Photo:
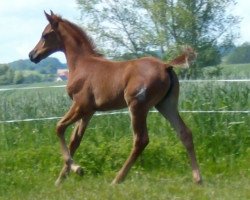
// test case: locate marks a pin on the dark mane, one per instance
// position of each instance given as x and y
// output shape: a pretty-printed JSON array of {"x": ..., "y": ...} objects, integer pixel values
[{"x": 81, "y": 36}]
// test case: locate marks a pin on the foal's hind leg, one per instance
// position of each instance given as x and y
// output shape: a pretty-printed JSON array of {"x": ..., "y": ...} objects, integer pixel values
[
  {"x": 168, "y": 109},
  {"x": 75, "y": 141},
  {"x": 138, "y": 119}
]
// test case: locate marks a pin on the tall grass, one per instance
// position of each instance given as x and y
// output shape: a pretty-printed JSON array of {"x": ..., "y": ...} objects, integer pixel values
[
  {"x": 30, "y": 157},
  {"x": 225, "y": 71},
  {"x": 215, "y": 96},
  {"x": 236, "y": 71},
  {"x": 34, "y": 103},
  {"x": 48, "y": 102}
]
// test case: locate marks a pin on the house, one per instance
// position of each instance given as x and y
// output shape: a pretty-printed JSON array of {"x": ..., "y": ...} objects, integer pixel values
[{"x": 62, "y": 75}]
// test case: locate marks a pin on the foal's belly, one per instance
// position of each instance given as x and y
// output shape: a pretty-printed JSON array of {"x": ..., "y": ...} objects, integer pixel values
[{"x": 110, "y": 103}]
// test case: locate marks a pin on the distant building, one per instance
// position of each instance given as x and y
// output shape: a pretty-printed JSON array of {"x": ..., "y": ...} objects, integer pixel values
[{"x": 62, "y": 75}]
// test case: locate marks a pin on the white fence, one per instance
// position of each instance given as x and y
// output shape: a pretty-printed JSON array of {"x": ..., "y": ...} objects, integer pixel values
[{"x": 181, "y": 81}]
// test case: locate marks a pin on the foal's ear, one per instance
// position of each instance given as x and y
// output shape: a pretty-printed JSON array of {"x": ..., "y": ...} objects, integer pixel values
[
  {"x": 52, "y": 19},
  {"x": 52, "y": 13}
]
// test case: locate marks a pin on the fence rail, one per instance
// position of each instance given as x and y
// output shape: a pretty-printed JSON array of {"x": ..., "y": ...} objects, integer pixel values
[
  {"x": 181, "y": 81},
  {"x": 126, "y": 112},
  {"x": 32, "y": 88}
]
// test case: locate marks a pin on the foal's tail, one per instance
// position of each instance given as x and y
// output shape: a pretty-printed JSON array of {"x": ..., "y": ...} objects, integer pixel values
[{"x": 185, "y": 59}]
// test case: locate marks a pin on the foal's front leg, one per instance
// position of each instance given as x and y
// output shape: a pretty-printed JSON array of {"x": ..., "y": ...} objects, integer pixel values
[
  {"x": 72, "y": 116},
  {"x": 75, "y": 141},
  {"x": 66, "y": 168}
]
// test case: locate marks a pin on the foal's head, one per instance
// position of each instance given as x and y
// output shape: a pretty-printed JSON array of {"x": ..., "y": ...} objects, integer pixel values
[
  {"x": 60, "y": 34},
  {"x": 50, "y": 41}
]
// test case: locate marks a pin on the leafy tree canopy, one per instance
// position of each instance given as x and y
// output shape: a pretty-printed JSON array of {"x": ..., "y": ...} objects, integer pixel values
[
  {"x": 48, "y": 65},
  {"x": 137, "y": 27}
]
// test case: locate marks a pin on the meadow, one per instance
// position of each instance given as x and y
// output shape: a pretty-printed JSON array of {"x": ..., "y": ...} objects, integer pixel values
[{"x": 30, "y": 158}]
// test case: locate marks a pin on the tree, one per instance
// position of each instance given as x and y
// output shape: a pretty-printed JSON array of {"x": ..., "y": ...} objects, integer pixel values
[
  {"x": 6, "y": 75},
  {"x": 18, "y": 78},
  {"x": 32, "y": 78},
  {"x": 143, "y": 26},
  {"x": 241, "y": 54},
  {"x": 117, "y": 25}
]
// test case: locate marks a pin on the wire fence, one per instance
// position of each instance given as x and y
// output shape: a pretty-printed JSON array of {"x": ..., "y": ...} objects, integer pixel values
[
  {"x": 181, "y": 81},
  {"x": 31, "y": 88},
  {"x": 126, "y": 112}
]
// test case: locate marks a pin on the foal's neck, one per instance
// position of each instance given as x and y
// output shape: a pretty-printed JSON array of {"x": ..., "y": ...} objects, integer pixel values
[{"x": 75, "y": 45}]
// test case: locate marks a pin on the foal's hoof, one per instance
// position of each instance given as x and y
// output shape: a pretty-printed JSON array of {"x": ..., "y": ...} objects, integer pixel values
[
  {"x": 197, "y": 177},
  {"x": 58, "y": 182},
  {"x": 113, "y": 183},
  {"x": 80, "y": 171},
  {"x": 77, "y": 169},
  {"x": 198, "y": 181},
  {"x": 116, "y": 182}
]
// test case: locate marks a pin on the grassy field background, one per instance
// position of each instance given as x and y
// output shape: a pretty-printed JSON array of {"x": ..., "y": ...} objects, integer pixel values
[{"x": 30, "y": 157}]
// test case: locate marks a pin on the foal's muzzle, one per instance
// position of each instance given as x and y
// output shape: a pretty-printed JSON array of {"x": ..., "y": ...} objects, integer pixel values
[{"x": 34, "y": 57}]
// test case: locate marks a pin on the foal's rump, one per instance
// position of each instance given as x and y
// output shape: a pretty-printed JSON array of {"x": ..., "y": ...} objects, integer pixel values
[{"x": 149, "y": 80}]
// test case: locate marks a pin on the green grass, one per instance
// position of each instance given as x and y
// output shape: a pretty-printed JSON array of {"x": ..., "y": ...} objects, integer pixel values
[
  {"x": 30, "y": 158},
  {"x": 138, "y": 186},
  {"x": 31, "y": 161},
  {"x": 34, "y": 103}
]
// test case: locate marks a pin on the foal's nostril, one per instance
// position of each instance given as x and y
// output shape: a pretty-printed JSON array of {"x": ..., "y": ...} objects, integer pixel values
[
  {"x": 34, "y": 57},
  {"x": 30, "y": 55}
]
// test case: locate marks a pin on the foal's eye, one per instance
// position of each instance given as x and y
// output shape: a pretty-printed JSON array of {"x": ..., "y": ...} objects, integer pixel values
[{"x": 45, "y": 36}]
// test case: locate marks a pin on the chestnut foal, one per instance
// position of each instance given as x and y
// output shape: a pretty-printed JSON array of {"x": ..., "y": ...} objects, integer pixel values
[{"x": 98, "y": 84}]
